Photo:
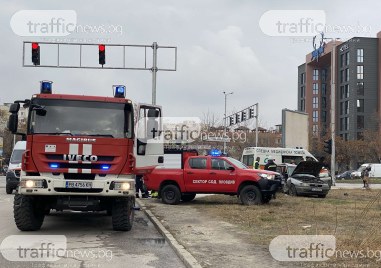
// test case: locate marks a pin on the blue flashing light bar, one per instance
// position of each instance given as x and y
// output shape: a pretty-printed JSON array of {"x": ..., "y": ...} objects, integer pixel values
[
  {"x": 119, "y": 91},
  {"x": 54, "y": 165},
  {"x": 46, "y": 87},
  {"x": 105, "y": 167},
  {"x": 215, "y": 152}
]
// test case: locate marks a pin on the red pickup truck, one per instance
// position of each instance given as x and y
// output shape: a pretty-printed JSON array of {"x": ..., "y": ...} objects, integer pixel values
[{"x": 212, "y": 175}]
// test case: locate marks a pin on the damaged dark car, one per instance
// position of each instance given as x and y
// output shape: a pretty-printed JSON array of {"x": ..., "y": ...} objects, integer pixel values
[{"x": 306, "y": 181}]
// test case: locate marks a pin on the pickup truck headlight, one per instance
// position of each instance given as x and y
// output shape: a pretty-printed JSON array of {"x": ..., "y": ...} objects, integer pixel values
[{"x": 267, "y": 176}]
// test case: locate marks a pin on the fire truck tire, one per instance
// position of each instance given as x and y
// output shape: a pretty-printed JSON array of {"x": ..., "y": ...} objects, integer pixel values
[
  {"x": 122, "y": 214},
  {"x": 28, "y": 213},
  {"x": 187, "y": 197},
  {"x": 170, "y": 194},
  {"x": 8, "y": 189},
  {"x": 250, "y": 195}
]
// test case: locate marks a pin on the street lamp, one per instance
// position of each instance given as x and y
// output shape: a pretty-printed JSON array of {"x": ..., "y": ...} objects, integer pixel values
[{"x": 225, "y": 94}]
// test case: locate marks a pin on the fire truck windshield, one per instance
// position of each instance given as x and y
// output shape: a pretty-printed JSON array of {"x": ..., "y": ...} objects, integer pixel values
[{"x": 80, "y": 118}]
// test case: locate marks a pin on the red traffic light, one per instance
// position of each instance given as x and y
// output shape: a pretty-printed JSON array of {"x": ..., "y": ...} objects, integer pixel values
[
  {"x": 102, "y": 47},
  {"x": 35, "y": 45}
]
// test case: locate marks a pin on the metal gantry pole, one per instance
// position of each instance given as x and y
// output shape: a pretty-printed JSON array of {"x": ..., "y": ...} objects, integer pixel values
[
  {"x": 154, "y": 72},
  {"x": 333, "y": 113},
  {"x": 225, "y": 94},
  {"x": 256, "y": 124}
]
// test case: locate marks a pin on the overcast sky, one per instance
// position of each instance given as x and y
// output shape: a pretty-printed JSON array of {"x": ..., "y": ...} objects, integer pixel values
[{"x": 220, "y": 48}]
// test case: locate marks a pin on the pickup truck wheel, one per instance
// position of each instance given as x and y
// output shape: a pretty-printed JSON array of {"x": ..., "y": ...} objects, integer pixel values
[
  {"x": 250, "y": 195},
  {"x": 122, "y": 214},
  {"x": 28, "y": 212},
  {"x": 187, "y": 197},
  {"x": 170, "y": 194}
]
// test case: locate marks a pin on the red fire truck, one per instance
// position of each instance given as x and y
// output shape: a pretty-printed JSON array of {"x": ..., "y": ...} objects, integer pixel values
[{"x": 81, "y": 155}]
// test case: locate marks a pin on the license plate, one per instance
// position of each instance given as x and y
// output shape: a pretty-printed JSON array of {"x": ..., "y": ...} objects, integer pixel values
[
  {"x": 79, "y": 184},
  {"x": 317, "y": 189}
]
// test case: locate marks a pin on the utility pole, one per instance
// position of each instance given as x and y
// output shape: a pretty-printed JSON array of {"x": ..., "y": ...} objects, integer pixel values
[
  {"x": 256, "y": 124},
  {"x": 154, "y": 71},
  {"x": 333, "y": 112},
  {"x": 226, "y": 94}
]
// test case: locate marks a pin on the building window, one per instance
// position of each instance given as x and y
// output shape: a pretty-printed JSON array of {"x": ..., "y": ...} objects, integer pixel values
[
  {"x": 360, "y": 105},
  {"x": 342, "y": 60},
  {"x": 323, "y": 102},
  {"x": 315, "y": 130},
  {"x": 302, "y": 105},
  {"x": 347, "y": 58},
  {"x": 342, "y": 76},
  {"x": 324, "y": 75},
  {"x": 344, "y": 123},
  {"x": 324, "y": 89},
  {"x": 344, "y": 92},
  {"x": 302, "y": 92},
  {"x": 360, "y": 72},
  {"x": 360, "y": 55},
  {"x": 315, "y": 88},
  {"x": 344, "y": 107},
  {"x": 315, "y": 102},
  {"x": 315, "y": 116},
  {"x": 360, "y": 88},
  {"x": 302, "y": 78},
  {"x": 347, "y": 74},
  {"x": 324, "y": 116},
  {"x": 360, "y": 122},
  {"x": 315, "y": 75}
]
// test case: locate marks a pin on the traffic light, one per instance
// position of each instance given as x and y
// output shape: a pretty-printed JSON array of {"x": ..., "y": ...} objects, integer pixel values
[
  {"x": 328, "y": 146},
  {"x": 243, "y": 116},
  {"x": 237, "y": 119},
  {"x": 231, "y": 120},
  {"x": 35, "y": 53},
  {"x": 102, "y": 54},
  {"x": 251, "y": 113}
]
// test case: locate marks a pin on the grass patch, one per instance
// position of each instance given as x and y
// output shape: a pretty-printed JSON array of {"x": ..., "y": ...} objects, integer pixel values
[{"x": 353, "y": 216}]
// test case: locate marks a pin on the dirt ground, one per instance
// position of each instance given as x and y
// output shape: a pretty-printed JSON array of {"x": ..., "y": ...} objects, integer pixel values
[{"x": 219, "y": 231}]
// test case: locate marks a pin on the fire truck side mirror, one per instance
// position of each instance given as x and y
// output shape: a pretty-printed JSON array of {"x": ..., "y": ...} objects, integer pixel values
[
  {"x": 14, "y": 108},
  {"x": 13, "y": 123}
]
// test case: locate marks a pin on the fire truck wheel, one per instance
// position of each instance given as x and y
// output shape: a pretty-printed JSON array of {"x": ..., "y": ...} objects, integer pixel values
[
  {"x": 187, "y": 197},
  {"x": 122, "y": 214},
  {"x": 250, "y": 195},
  {"x": 28, "y": 212},
  {"x": 170, "y": 194},
  {"x": 8, "y": 189}
]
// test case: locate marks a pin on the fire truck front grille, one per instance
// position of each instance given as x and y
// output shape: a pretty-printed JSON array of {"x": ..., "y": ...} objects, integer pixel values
[
  {"x": 61, "y": 157},
  {"x": 79, "y": 176}
]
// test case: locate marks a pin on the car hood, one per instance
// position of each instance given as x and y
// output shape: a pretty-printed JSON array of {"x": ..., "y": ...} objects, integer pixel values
[
  {"x": 308, "y": 167},
  {"x": 307, "y": 178},
  {"x": 257, "y": 171}
]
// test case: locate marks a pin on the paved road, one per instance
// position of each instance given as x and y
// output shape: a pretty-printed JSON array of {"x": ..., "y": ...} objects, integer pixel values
[{"x": 143, "y": 246}]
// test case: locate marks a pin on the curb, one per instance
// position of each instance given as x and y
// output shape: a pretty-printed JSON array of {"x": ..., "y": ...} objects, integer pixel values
[{"x": 184, "y": 255}]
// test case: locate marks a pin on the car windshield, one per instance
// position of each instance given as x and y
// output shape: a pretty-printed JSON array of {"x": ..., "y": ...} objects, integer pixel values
[
  {"x": 237, "y": 163},
  {"x": 290, "y": 169},
  {"x": 81, "y": 118},
  {"x": 16, "y": 156}
]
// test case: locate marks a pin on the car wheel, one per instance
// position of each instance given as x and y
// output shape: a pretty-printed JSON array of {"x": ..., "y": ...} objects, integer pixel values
[
  {"x": 250, "y": 195},
  {"x": 170, "y": 194},
  {"x": 292, "y": 191}
]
